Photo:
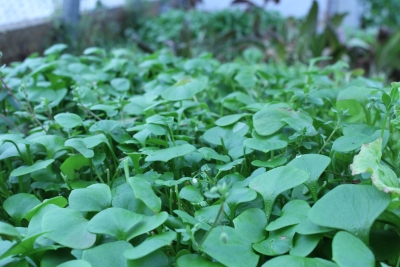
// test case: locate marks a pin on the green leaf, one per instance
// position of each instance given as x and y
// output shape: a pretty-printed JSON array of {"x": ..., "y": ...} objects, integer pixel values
[
  {"x": 120, "y": 84},
  {"x": 157, "y": 259},
  {"x": 303, "y": 245},
  {"x": 313, "y": 164},
  {"x": 272, "y": 163},
  {"x": 68, "y": 227},
  {"x": 276, "y": 181},
  {"x": 52, "y": 143},
  {"x": 294, "y": 212},
  {"x": 236, "y": 196},
  {"x": 105, "y": 126},
  {"x": 269, "y": 121},
  {"x": 18, "y": 205},
  {"x": 23, "y": 246},
  {"x": 55, "y": 49},
  {"x": 209, "y": 153},
  {"x": 251, "y": 224},
  {"x": 233, "y": 251},
  {"x": 246, "y": 77},
  {"x": 145, "y": 193},
  {"x": 80, "y": 146},
  {"x": 58, "y": 201},
  {"x": 191, "y": 194},
  {"x": 278, "y": 242},
  {"x": 307, "y": 227},
  {"x": 264, "y": 146},
  {"x": 194, "y": 260},
  {"x": 115, "y": 222},
  {"x": 96, "y": 197},
  {"x": 386, "y": 99},
  {"x": 169, "y": 153},
  {"x": 229, "y": 119},
  {"x": 147, "y": 224},
  {"x": 73, "y": 164},
  {"x": 349, "y": 143},
  {"x": 368, "y": 160},
  {"x": 341, "y": 209},
  {"x": 185, "y": 88},
  {"x": 349, "y": 251},
  {"x": 150, "y": 245},
  {"x": 227, "y": 134},
  {"x": 75, "y": 263},
  {"x": 295, "y": 261},
  {"x": 108, "y": 254},
  {"x": 8, "y": 231},
  {"x": 68, "y": 120},
  {"x": 35, "y": 167}
]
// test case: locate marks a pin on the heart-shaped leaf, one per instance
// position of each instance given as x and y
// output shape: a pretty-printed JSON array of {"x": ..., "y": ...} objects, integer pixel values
[
  {"x": 251, "y": 224},
  {"x": 115, "y": 222},
  {"x": 96, "y": 197},
  {"x": 147, "y": 224},
  {"x": 341, "y": 208},
  {"x": 276, "y": 181},
  {"x": 150, "y": 245},
  {"x": 108, "y": 254},
  {"x": 68, "y": 227},
  {"x": 313, "y": 164},
  {"x": 145, "y": 193},
  {"x": 8, "y": 231},
  {"x": 185, "y": 88},
  {"x": 229, "y": 247},
  {"x": 303, "y": 245},
  {"x": 295, "y": 261},
  {"x": 169, "y": 153},
  {"x": 191, "y": 194},
  {"x": 68, "y": 120},
  {"x": 195, "y": 260},
  {"x": 349, "y": 251},
  {"x": 268, "y": 121},
  {"x": 35, "y": 167},
  {"x": 264, "y": 146},
  {"x": 294, "y": 212},
  {"x": 80, "y": 146},
  {"x": 278, "y": 242},
  {"x": 52, "y": 143},
  {"x": 18, "y": 205},
  {"x": 75, "y": 263},
  {"x": 120, "y": 84},
  {"x": 157, "y": 258}
]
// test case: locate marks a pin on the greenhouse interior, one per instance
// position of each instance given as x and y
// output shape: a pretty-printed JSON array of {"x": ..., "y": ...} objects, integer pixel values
[{"x": 199, "y": 133}]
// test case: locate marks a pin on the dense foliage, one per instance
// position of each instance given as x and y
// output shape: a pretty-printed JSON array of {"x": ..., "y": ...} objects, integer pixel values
[{"x": 115, "y": 159}]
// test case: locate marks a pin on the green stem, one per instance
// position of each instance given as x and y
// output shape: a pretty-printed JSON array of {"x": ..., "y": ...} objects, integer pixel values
[
  {"x": 384, "y": 123},
  {"x": 221, "y": 209}
]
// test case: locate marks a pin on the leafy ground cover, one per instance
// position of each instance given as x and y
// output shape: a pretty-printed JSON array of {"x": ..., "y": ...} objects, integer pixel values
[{"x": 118, "y": 159}]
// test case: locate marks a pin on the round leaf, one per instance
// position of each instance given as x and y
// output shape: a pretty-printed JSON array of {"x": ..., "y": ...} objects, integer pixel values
[
  {"x": 350, "y": 207},
  {"x": 115, "y": 222},
  {"x": 233, "y": 251},
  {"x": 96, "y": 197},
  {"x": 194, "y": 260},
  {"x": 108, "y": 254},
  {"x": 150, "y": 245},
  {"x": 185, "y": 89},
  {"x": 68, "y": 120},
  {"x": 120, "y": 84},
  {"x": 68, "y": 227},
  {"x": 18, "y": 205},
  {"x": 349, "y": 251},
  {"x": 276, "y": 181}
]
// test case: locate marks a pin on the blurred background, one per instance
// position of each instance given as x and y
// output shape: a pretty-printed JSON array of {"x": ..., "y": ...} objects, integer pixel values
[{"x": 363, "y": 33}]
